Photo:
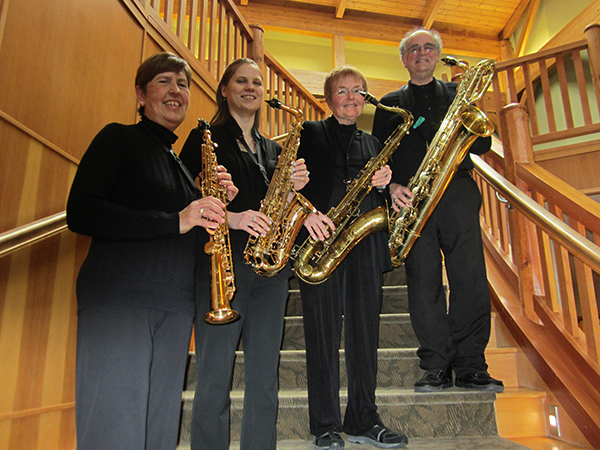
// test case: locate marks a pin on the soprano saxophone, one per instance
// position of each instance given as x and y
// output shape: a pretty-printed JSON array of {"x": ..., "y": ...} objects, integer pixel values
[
  {"x": 315, "y": 261},
  {"x": 218, "y": 247},
  {"x": 286, "y": 208},
  {"x": 463, "y": 123}
]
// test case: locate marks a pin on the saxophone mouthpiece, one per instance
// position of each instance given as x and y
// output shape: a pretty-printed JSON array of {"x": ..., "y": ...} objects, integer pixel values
[
  {"x": 449, "y": 61},
  {"x": 274, "y": 103},
  {"x": 453, "y": 62},
  {"x": 369, "y": 98},
  {"x": 203, "y": 124}
]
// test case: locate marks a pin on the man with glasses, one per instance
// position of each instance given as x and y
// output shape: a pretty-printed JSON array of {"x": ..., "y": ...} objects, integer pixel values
[{"x": 453, "y": 335}]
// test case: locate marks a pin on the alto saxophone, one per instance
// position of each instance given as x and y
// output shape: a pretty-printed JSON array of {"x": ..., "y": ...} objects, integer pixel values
[
  {"x": 315, "y": 261},
  {"x": 268, "y": 254},
  {"x": 463, "y": 123},
  {"x": 218, "y": 247}
]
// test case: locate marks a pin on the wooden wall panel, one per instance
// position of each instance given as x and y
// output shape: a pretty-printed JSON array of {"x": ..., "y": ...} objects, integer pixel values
[
  {"x": 59, "y": 58},
  {"x": 68, "y": 69},
  {"x": 579, "y": 170}
]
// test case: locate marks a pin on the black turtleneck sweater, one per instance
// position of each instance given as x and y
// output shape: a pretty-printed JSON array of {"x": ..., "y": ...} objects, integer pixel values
[{"x": 127, "y": 195}]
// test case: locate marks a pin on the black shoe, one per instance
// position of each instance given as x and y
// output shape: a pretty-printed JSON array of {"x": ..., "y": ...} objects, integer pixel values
[
  {"x": 435, "y": 380},
  {"x": 330, "y": 440},
  {"x": 380, "y": 437},
  {"x": 480, "y": 381}
]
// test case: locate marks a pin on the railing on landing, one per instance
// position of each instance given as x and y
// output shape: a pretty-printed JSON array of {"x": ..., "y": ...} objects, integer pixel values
[
  {"x": 553, "y": 86},
  {"x": 216, "y": 34}
]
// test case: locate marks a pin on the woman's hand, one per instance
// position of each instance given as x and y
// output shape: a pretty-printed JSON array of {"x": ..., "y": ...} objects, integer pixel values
[
  {"x": 382, "y": 177},
  {"x": 252, "y": 222},
  {"x": 401, "y": 196},
  {"x": 319, "y": 226},
  {"x": 206, "y": 212},
  {"x": 300, "y": 174},
  {"x": 224, "y": 178}
]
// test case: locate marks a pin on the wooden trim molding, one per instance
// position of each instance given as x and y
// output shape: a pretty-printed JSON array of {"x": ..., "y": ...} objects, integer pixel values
[
  {"x": 28, "y": 131},
  {"x": 36, "y": 411}
]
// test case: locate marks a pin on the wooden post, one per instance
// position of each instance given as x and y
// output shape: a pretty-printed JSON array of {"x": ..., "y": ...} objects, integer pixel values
[
  {"x": 517, "y": 148},
  {"x": 256, "y": 52},
  {"x": 256, "y": 48},
  {"x": 506, "y": 52},
  {"x": 592, "y": 34},
  {"x": 339, "y": 50}
]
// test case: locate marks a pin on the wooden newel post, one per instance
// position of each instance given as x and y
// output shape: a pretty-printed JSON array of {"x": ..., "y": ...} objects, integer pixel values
[
  {"x": 256, "y": 52},
  {"x": 592, "y": 35},
  {"x": 256, "y": 49},
  {"x": 516, "y": 140}
]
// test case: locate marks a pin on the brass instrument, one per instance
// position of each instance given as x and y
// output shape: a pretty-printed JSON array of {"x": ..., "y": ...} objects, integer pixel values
[
  {"x": 268, "y": 254},
  {"x": 463, "y": 123},
  {"x": 218, "y": 247},
  {"x": 315, "y": 261}
]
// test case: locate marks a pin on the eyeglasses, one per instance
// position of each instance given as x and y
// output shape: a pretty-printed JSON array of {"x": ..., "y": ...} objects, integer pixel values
[
  {"x": 343, "y": 92},
  {"x": 415, "y": 49}
]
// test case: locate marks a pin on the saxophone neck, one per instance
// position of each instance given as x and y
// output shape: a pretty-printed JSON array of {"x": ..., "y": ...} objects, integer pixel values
[
  {"x": 276, "y": 104},
  {"x": 406, "y": 115}
]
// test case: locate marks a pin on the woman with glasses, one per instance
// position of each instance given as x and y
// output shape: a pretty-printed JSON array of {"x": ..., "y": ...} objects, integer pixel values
[{"x": 335, "y": 151}]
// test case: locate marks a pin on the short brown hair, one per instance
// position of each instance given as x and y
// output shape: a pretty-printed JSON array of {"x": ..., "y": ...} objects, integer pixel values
[
  {"x": 160, "y": 63},
  {"x": 341, "y": 72}
]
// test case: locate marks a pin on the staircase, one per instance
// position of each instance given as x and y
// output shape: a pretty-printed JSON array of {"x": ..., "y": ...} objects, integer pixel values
[{"x": 451, "y": 419}]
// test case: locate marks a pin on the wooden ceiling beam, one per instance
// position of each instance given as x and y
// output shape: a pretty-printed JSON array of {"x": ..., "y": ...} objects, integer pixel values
[
  {"x": 371, "y": 30},
  {"x": 340, "y": 9},
  {"x": 515, "y": 20},
  {"x": 531, "y": 12},
  {"x": 431, "y": 13}
]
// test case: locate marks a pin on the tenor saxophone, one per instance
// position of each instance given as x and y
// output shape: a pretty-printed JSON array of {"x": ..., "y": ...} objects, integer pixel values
[
  {"x": 463, "y": 123},
  {"x": 315, "y": 261},
  {"x": 222, "y": 284},
  {"x": 286, "y": 208}
]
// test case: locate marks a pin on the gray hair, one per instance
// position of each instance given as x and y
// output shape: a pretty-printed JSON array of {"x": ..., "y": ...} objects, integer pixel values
[{"x": 434, "y": 34}]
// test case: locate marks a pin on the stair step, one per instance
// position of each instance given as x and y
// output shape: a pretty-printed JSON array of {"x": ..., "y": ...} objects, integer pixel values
[
  {"x": 395, "y": 300},
  {"x": 397, "y": 367},
  {"x": 541, "y": 443},
  {"x": 525, "y": 403},
  {"x": 444, "y": 414},
  {"x": 458, "y": 443},
  {"x": 395, "y": 331}
]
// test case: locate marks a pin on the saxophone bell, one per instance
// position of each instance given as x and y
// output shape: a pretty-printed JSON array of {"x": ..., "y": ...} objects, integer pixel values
[
  {"x": 316, "y": 260},
  {"x": 286, "y": 208}
]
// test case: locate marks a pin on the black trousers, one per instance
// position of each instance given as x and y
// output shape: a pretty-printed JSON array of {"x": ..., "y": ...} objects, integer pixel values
[
  {"x": 353, "y": 292},
  {"x": 458, "y": 335},
  {"x": 130, "y": 370},
  {"x": 261, "y": 304}
]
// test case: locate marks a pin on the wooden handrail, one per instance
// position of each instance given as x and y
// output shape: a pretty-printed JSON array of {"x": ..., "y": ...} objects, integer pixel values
[
  {"x": 580, "y": 247},
  {"x": 31, "y": 233}
]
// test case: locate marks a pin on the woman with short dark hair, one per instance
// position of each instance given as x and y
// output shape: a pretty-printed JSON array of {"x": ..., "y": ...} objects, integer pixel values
[{"x": 135, "y": 290}]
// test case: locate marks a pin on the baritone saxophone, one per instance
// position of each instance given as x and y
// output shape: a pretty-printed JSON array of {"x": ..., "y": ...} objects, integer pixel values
[
  {"x": 315, "y": 261},
  {"x": 463, "y": 123},
  {"x": 222, "y": 284},
  {"x": 286, "y": 208}
]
